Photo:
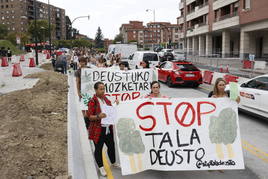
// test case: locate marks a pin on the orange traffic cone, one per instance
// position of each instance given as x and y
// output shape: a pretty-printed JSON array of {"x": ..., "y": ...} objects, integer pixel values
[
  {"x": 4, "y": 62},
  {"x": 16, "y": 70},
  {"x": 22, "y": 58},
  {"x": 32, "y": 63}
]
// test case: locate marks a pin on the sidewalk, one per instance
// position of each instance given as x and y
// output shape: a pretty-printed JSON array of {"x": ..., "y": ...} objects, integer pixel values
[
  {"x": 234, "y": 65},
  {"x": 9, "y": 83}
]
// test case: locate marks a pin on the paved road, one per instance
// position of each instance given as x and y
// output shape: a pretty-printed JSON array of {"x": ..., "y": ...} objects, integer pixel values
[{"x": 255, "y": 147}]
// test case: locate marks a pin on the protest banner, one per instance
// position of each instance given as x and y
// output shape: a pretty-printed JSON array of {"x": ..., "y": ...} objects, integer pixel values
[
  {"x": 121, "y": 85},
  {"x": 178, "y": 134}
]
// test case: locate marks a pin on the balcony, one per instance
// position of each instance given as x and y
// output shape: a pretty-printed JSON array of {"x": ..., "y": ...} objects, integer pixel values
[
  {"x": 199, "y": 11},
  {"x": 189, "y": 2},
  {"x": 181, "y": 5},
  {"x": 226, "y": 21},
  {"x": 181, "y": 20},
  {"x": 221, "y": 3},
  {"x": 197, "y": 30}
]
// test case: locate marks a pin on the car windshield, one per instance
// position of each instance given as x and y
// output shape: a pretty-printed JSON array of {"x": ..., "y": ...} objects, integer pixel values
[
  {"x": 187, "y": 67},
  {"x": 150, "y": 57},
  {"x": 169, "y": 50}
]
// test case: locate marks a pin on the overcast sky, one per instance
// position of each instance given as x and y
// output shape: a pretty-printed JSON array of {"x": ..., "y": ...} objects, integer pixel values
[{"x": 110, "y": 14}]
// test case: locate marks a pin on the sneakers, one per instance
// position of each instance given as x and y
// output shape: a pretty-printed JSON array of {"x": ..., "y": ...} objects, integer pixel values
[
  {"x": 115, "y": 165},
  {"x": 102, "y": 172}
]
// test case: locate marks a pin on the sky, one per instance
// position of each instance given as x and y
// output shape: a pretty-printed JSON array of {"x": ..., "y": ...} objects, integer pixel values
[{"x": 110, "y": 14}]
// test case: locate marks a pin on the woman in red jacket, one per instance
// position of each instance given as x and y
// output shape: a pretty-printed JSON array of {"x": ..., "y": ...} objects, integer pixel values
[{"x": 98, "y": 132}]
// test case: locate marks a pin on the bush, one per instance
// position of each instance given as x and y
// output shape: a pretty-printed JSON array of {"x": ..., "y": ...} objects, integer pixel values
[{"x": 13, "y": 48}]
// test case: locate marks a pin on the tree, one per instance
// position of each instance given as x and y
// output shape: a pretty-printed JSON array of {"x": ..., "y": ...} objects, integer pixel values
[
  {"x": 3, "y": 31},
  {"x": 99, "y": 43},
  {"x": 12, "y": 38},
  {"x": 118, "y": 38},
  {"x": 42, "y": 30}
]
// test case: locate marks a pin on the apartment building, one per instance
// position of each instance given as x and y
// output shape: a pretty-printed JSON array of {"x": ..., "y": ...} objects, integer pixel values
[
  {"x": 228, "y": 28},
  {"x": 17, "y": 14},
  {"x": 154, "y": 33}
]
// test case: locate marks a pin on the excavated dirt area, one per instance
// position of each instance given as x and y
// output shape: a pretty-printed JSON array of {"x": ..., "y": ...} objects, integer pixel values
[{"x": 33, "y": 129}]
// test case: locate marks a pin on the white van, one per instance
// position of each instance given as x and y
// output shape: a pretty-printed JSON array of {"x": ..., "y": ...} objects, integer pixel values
[
  {"x": 137, "y": 57},
  {"x": 125, "y": 50}
]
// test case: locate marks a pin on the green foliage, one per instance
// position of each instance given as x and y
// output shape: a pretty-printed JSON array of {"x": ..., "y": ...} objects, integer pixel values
[
  {"x": 99, "y": 43},
  {"x": 81, "y": 43},
  {"x": 3, "y": 31},
  {"x": 73, "y": 43},
  {"x": 101, "y": 50},
  {"x": 11, "y": 37},
  {"x": 146, "y": 48},
  {"x": 13, "y": 48},
  {"x": 42, "y": 30},
  {"x": 118, "y": 38},
  {"x": 131, "y": 41}
]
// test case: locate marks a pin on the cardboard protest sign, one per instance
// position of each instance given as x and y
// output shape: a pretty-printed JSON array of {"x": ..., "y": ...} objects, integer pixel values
[
  {"x": 178, "y": 134},
  {"x": 234, "y": 93},
  {"x": 121, "y": 85}
]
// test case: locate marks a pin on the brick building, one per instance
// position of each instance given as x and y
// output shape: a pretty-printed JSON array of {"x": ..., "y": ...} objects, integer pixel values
[
  {"x": 17, "y": 14},
  {"x": 229, "y": 28},
  {"x": 154, "y": 33}
]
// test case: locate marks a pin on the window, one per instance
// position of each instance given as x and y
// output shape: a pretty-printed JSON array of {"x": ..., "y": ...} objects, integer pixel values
[
  {"x": 187, "y": 67},
  {"x": 260, "y": 83},
  {"x": 246, "y": 4},
  {"x": 150, "y": 56}
]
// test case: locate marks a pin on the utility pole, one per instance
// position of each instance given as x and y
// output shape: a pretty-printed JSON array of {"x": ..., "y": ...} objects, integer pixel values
[{"x": 185, "y": 28}]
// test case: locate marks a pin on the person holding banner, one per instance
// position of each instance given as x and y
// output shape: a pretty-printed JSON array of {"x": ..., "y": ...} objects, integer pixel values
[
  {"x": 155, "y": 91},
  {"x": 219, "y": 90},
  {"x": 98, "y": 132},
  {"x": 124, "y": 66}
]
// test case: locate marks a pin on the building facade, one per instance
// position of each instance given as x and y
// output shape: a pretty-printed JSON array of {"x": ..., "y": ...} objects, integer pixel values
[
  {"x": 17, "y": 14},
  {"x": 226, "y": 28},
  {"x": 153, "y": 34}
]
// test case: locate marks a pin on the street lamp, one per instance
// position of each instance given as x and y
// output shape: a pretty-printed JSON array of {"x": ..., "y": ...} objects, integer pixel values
[
  {"x": 78, "y": 18},
  {"x": 147, "y": 10},
  {"x": 35, "y": 34},
  {"x": 49, "y": 28}
]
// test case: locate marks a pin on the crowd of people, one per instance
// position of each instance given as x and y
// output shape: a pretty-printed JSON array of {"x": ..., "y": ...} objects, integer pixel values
[{"x": 103, "y": 134}]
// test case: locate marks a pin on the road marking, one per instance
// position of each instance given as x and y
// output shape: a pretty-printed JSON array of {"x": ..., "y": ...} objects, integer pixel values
[
  {"x": 107, "y": 166},
  {"x": 249, "y": 147},
  {"x": 255, "y": 153}
]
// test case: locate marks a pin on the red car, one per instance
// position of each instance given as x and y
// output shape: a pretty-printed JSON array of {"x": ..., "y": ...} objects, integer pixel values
[{"x": 179, "y": 72}]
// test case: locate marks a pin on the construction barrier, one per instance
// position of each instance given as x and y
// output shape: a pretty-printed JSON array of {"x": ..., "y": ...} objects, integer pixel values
[
  {"x": 4, "y": 62},
  {"x": 32, "y": 63},
  {"x": 230, "y": 78},
  {"x": 16, "y": 70},
  {"x": 207, "y": 78},
  {"x": 22, "y": 58},
  {"x": 247, "y": 64}
]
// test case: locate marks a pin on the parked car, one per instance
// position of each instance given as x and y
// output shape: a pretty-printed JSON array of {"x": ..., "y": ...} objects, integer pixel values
[
  {"x": 158, "y": 49},
  {"x": 254, "y": 95},
  {"x": 137, "y": 57},
  {"x": 166, "y": 54},
  {"x": 179, "y": 72}
]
